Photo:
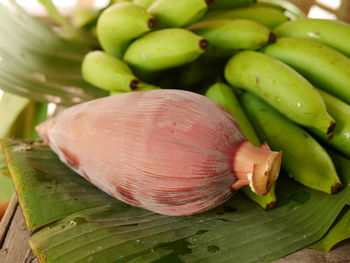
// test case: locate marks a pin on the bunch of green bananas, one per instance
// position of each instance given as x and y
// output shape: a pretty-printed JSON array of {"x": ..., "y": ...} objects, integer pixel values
[{"x": 282, "y": 76}]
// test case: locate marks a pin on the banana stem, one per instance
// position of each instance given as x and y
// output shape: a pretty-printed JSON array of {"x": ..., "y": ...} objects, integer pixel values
[{"x": 256, "y": 167}]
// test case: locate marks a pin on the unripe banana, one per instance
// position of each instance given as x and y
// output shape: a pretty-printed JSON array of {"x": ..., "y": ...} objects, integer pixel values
[
  {"x": 144, "y": 3},
  {"x": 280, "y": 86},
  {"x": 340, "y": 111},
  {"x": 230, "y": 4},
  {"x": 303, "y": 157},
  {"x": 268, "y": 201},
  {"x": 179, "y": 13},
  {"x": 335, "y": 34},
  {"x": 164, "y": 49},
  {"x": 269, "y": 5},
  {"x": 119, "y": 24},
  {"x": 323, "y": 66},
  {"x": 203, "y": 70},
  {"x": 224, "y": 95},
  {"x": 232, "y": 35},
  {"x": 108, "y": 72},
  {"x": 267, "y": 16}
]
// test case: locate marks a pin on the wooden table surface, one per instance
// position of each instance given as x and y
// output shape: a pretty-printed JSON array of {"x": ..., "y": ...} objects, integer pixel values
[{"x": 14, "y": 246}]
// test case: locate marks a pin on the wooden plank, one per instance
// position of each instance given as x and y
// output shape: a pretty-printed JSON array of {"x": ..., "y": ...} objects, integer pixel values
[
  {"x": 14, "y": 237},
  {"x": 339, "y": 254},
  {"x": 304, "y": 5},
  {"x": 343, "y": 12},
  {"x": 6, "y": 220}
]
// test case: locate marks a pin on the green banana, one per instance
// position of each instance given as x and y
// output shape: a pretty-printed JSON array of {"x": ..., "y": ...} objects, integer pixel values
[
  {"x": 164, "y": 49},
  {"x": 280, "y": 86},
  {"x": 269, "y": 5},
  {"x": 303, "y": 157},
  {"x": 267, "y": 16},
  {"x": 224, "y": 95},
  {"x": 268, "y": 201},
  {"x": 194, "y": 75},
  {"x": 232, "y": 35},
  {"x": 340, "y": 111},
  {"x": 112, "y": 2},
  {"x": 230, "y": 4},
  {"x": 108, "y": 72},
  {"x": 323, "y": 66},
  {"x": 119, "y": 24},
  {"x": 335, "y": 34},
  {"x": 179, "y": 13},
  {"x": 144, "y": 3}
]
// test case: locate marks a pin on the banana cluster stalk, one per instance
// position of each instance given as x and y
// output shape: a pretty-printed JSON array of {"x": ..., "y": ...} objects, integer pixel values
[{"x": 291, "y": 73}]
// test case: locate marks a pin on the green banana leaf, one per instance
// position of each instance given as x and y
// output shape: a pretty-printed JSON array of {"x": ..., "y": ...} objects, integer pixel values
[
  {"x": 68, "y": 31},
  {"x": 76, "y": 222},
  {"x": 341, "y": 227},
  {"x": 37, "y": 64},
  {"x": 10, "y": 108},
  {"x": 6, "y": 188},
  {"x": 339, "y": 232}
]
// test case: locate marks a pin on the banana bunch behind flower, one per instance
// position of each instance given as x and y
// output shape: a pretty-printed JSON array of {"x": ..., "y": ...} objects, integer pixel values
[{"x": 294, "y": 72}]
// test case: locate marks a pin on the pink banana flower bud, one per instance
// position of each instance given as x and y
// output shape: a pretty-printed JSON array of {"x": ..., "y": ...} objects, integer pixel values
[{"x": 172, "y": 152}]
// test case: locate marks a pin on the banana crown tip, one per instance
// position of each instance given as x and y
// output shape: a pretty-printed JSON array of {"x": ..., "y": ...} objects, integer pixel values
[
  {"x": 336, "y": 188},
  {"x": 271, "y": 205},
  {"x": 331, "y": 127},
  {"x": 203, "y": 44},
  {"x": 151, "y": 23},
  {"x": 134, "y": 84},
  {"x": 272, "y": 38},
  {"x": 209, "y": 2}
]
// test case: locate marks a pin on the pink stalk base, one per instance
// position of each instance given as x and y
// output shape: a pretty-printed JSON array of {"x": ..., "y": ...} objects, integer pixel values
[{"x": 256, "y": 167}]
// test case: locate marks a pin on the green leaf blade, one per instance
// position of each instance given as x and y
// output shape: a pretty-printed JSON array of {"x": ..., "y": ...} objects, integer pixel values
[{"x": 37, "y": 64}]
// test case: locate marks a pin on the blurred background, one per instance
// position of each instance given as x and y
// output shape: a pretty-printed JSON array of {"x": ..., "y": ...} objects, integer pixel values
[{"x": 329, "y": 9}]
